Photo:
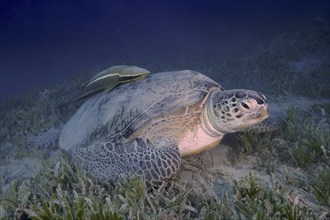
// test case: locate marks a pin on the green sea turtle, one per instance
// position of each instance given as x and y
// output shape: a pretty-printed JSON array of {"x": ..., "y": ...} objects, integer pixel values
[{"x": 145, "y": 127}]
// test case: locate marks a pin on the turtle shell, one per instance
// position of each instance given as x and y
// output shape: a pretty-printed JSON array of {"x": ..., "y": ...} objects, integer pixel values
[{"x": 119, "y": 113}]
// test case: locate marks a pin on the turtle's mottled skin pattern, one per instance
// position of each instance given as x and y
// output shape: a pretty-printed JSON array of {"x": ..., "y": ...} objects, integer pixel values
[
  {"x": 144, "y": 128},
  {"x": 135, "y": 158}
]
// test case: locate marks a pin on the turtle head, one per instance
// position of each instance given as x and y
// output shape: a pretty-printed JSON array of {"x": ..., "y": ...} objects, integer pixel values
[{"x": 234, "y": 110}]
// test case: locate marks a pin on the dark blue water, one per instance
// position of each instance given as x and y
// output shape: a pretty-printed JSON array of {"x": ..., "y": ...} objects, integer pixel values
[{"x": 45, "y": 42}]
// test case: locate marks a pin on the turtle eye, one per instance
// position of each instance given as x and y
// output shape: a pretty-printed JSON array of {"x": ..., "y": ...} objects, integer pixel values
[{"x": 247, "y": 105}]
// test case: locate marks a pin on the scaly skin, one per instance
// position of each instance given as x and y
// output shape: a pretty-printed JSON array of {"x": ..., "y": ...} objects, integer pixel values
[{"x": 137, "y": 158}]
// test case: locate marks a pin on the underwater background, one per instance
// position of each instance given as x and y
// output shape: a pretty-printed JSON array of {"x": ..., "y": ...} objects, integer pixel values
[
  {"x": 45, "y": 42},
  {"x": 48, "y": 49}
]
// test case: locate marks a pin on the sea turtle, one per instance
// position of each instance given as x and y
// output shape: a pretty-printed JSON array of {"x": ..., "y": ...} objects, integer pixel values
[{"x": 145, "y": 127}]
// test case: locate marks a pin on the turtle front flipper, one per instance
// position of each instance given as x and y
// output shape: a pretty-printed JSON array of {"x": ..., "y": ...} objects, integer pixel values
[
  {"x": 109, "y": 78},
  {"x": 137, "y": 158}
]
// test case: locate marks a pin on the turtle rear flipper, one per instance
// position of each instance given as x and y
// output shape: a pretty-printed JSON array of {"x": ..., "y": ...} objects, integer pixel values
[{"x": 137, "y": 158}]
